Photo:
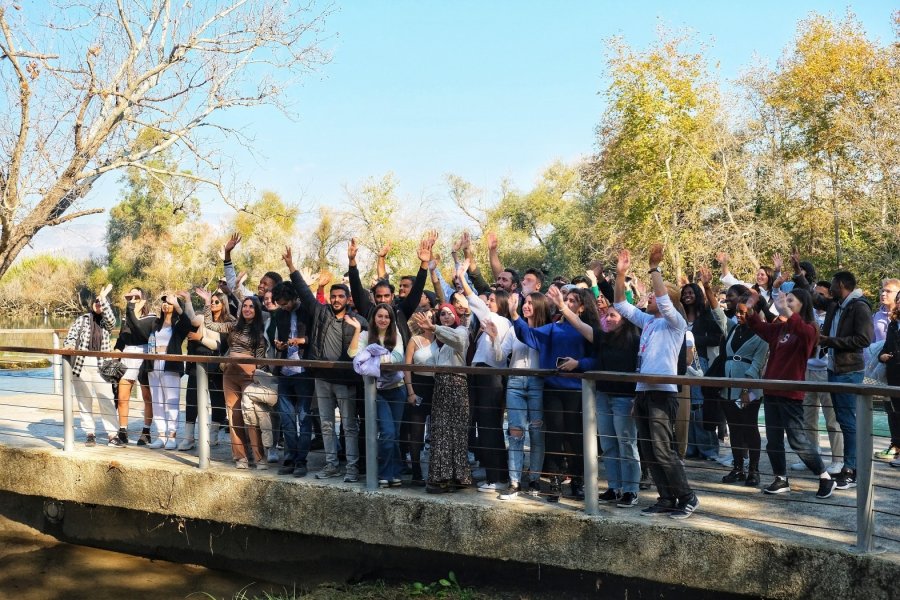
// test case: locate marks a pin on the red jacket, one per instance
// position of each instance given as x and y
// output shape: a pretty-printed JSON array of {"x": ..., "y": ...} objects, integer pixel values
[{"x": 790, "y": 345}]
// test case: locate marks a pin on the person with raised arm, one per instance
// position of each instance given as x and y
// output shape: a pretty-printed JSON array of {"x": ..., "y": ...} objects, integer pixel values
[
  {"x": 331, "y": 330},
  {"x": 487, "y": 396},
  {"x": 171, "y": 327},
  {"x": 763, "y": 282},
  {"x": 615, "y": 343},
  {"x": 663, "y": 329},
  {"x": 560, "y": 346},
  {"x": 448, "y": 469},
  {"x": 134, "y": 334},
  {"x": 419, "y": 390},
  {"x": 246, "y": 339},
  {"x": 383, "y": 291},
  {"x": 235, "y": 283},
  {"x": 524, "y": 401},
  {"x": 791, "y": 343},
  {"x": 91, "y": 331}
]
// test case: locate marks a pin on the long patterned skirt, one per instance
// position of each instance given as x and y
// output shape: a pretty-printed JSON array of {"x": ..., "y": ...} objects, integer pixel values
[{"x": 449, "y": 430}]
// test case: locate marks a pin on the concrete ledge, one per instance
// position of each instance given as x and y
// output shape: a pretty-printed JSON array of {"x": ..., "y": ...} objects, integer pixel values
[{"x": 694, "y": 553}]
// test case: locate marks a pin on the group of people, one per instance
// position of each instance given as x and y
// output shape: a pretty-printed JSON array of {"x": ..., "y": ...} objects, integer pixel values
[{"x": 782, "y": 325}]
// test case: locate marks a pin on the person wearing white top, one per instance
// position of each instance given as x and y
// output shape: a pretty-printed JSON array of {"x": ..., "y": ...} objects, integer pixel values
[
  {"x": 419, "y": 392},
  {"x": 655, "y": 406},
  {"x": 487, "y": 396}
]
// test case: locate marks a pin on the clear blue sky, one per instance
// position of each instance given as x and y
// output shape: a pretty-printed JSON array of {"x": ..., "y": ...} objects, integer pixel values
[{"x": 485, "y": 90}]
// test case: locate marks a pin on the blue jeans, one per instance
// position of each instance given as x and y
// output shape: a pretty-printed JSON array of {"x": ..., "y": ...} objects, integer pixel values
[
  {"x": 525, "y": 407},
  {"x": 389, "y": 405},
  {"x": 701, "y": 443},
  {"x": 845, "y": 412},
  {"x": 618, "y": 441},
  {"x": 295, "y": 394}
]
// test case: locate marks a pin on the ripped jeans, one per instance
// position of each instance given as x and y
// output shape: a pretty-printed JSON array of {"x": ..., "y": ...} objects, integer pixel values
[{"x": 525, "y": 409}]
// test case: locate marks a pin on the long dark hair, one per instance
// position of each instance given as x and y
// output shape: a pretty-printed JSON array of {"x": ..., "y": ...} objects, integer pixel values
[
  {"x": 770, "y": 275},
  {"x": 624, "y": 337},
  {"x": 590, "y": 314},
  {"x": 700, "y": 306},
  {"x": 255, "y": 327},
  {"x": 806, "y": 312},
  {"x": 390, "y": 335}
]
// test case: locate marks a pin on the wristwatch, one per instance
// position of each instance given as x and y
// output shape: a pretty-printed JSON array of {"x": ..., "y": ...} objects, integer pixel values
[{"x": 654, "y": 270}]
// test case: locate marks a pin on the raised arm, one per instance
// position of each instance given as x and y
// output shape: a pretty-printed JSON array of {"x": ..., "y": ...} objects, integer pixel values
[
  {"x": 493, "y": 246},
  {"x": 307, "y": 298},
  {"x": 626, "y": 309},
  {"x": 361, "y": 299},
  {"x": 380, "y": 266},
  {"x": 666, "y": 308},
  {"x": 555, "y": 296},
  {"x": 109, "y": 317},
  {"x": 409, "y": 304}
]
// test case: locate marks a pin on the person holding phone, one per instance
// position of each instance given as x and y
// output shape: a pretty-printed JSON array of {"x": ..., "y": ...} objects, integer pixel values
[{"x": 560, "y": 346}]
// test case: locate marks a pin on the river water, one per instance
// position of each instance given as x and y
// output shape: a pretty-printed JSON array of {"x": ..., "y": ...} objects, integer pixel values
[{"x": 34, "y": 566}]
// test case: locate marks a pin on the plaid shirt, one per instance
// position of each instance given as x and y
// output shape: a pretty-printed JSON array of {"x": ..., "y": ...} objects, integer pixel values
[{"x": 79, "y": 336}]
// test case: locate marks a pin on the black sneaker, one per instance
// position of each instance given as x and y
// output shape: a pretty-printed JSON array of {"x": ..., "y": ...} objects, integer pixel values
[
  {"x": 846, "y": 479},
  {"x": 510, "y": 492},
  {"x": 752, "y": 479},
  {"x": 577, "y": 486},
  {"x": 610, "y": 496},
  {"x": 735, "y": 476},
  {"x": 534, "y": 488},
  {"x": 826, "y": 487},
  {"x": 779, "y": 486},
  {"x": 555, "y": 489},
  {"x": 123, "y": 436},
  {"x": 300, "y": 470},
  {"x": 115, "y": 442},
  {"x": 91, "y": 440},
  {"x": 686, "y": 508},
  {"x": 660, "y": 509},
  {"x": 287, "y": 468},
  {"x": 627, "y": 500}
]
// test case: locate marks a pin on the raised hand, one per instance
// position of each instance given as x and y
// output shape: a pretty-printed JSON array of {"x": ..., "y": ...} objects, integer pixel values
[
  {"x": 385, "y": 250},
  {"x": 288, "y": 258},
  {"x": 233, "y": 241},
  {"x": 490, "y": 328},
  {"x": 424, "y": 323},
  {"x": 491, "y": 241},
  {"x": 462, "y": 269},
  {"x": 722, "y": 258},
  {"x": 623, "y": 264},
  {"x": 592, "y": 277},
  {"x": 105, "y": 291},
  {"x": 203, "y": 294},
  {"x": 513, "y": 303},
  {"x": 241, "y": 278},
  {"x": 351, "y": 320},
  {"x": 307, "y": 275},
  {"x": 705, "y": 275},
  {"x": 656, "y": 255},
  {"x": 795, "y": 259},
  {"x": 352, "y": 249},
  {"x": 777, "y": 262},
  {"x": 324, "y": 278},
  {"x": 425, "y": 246},
  {"x": 555, "y": 296}
]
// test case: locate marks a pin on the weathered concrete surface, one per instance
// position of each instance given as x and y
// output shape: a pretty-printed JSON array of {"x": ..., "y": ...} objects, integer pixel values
[{"x": 704, "y": 552}]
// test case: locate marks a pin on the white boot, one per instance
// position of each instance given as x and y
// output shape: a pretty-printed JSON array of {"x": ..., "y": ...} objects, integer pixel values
[
  {"x": 188, "y": 442},
  {"x": 214, "y": 433}
]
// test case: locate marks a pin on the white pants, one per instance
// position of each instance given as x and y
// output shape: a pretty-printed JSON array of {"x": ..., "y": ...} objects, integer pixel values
[
  {"x": 89, "y": 386},
  {"x": 165, "y": 389}
]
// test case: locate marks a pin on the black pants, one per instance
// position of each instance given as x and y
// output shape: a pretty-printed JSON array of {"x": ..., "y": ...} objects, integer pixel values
[
  {"x": 744, "y": 426},
  {"x": 564, "y": 436},
  {"x": 414, "y": 418},
  {"x": 486, "y": 392},
  {"x": 216, "y": 397},
  {"x": 655, "y": 412}
]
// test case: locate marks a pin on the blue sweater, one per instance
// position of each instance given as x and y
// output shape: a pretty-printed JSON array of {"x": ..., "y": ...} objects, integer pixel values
[{"x": 554, "y": 341}]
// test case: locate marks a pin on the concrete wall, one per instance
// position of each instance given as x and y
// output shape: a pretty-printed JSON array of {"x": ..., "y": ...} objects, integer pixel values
[{"x": 673, "y": 554}]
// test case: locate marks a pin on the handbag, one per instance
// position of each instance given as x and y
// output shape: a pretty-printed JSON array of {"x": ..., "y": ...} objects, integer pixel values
[
  {"x": 263, "y": 389},
  {"x": 112, "y": 370}
]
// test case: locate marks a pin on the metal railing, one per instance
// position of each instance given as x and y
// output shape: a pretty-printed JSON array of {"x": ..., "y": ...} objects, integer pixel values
[{"x": 865, "y": 508}]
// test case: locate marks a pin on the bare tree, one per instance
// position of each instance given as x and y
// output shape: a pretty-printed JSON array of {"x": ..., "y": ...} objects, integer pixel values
[{"x": 82, "y": 84}]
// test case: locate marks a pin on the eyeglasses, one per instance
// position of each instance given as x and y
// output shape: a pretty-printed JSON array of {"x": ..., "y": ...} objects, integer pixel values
[{"x": 216, "y": 302}]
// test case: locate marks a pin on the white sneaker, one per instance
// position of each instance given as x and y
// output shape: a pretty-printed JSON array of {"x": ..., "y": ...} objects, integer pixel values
[
  {"x": 489, "y": 486},
  {"x": 798, "y": 466},
  {"x": 272, "y": 455},
  {"x": 171, "y": 444},
  {"x": 834, "y": 468},
  {"x": 156, "y": 444},
  {"x": 186, "y": 444}
]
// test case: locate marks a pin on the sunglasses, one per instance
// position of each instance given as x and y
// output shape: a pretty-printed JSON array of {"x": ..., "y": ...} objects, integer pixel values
[
  {"x": 216, "y": 302},
  {"x": 96, "y": 300}
]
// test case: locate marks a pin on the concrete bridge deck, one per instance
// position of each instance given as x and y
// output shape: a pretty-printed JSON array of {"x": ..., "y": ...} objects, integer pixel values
[{"x": 739, "y": 541}]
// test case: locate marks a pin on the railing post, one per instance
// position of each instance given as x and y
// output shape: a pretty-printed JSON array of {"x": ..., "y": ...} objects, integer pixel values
[
  {"x": 589, "y": 426},
  {"x": 865, "y": 485},
  {"x": 202, "y": 415},
  {"x": 371, "y": 433},
  {"x": 56, "y": 361},
  {"x": 68, "y": 408}
]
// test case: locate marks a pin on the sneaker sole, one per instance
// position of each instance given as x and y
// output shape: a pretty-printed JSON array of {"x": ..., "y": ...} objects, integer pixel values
[
  {"x": 783, "y": 490},
  {"x": 828, "y": 495}
]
